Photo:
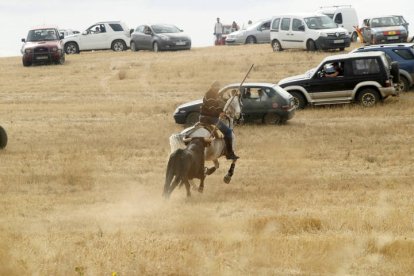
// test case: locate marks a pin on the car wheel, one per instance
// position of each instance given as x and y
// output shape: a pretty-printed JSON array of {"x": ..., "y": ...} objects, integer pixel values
[
  {"x": 354, "y": 37},
  {"x": 134, "y": 47},
  {"x": 276, "y": 46},
  {"x": 155, "y": 47},
  {"x": 192, "y": 118},
  {"x": 27, "y": 63},
  {"x": 310, "y": 45},
  {"x": 402, "y": 85},
  {"x": 368, "y": 97},
  {"x": 3, "y": 138},
  {"x": 250, "y": 40},
  {"x": 298, "y": 100},
  {"x": 118, "y": 46},
  {"x": 271, "y": 119},
  {"x": 71, "y": 48}
]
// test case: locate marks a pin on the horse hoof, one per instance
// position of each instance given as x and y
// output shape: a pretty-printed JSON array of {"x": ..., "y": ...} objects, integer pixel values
[{"x": 227, "y": 179}]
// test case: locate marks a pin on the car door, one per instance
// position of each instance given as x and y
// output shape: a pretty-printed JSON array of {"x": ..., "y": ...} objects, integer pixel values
[
  {"x": 297, "y": 37},
  {"x": 254, "y": 102},
  {"x": 263, "y": 32},
  {"x": 95, "y": 37},
  {"x": 322, "y": 88},
  {"x": 138, "y": 37},
  {"x": 284, "y": 32}
]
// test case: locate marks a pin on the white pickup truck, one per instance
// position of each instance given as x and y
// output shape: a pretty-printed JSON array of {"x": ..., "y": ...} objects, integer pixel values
[{"x": 113, "y": 35}]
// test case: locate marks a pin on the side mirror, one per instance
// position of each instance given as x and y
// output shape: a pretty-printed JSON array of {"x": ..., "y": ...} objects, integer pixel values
[
  {"x": 321, "y": 74},
  {"x": 301, "y": 28},
  {"x": 62, "y": 36},
  {"x": 181, "y": 30},
  {"x": 85, "y": 32},
  {"x": 23, "y": 40}
]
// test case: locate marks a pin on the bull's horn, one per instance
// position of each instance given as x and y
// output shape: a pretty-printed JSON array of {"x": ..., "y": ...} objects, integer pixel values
[{"x": 187, "y": 140}]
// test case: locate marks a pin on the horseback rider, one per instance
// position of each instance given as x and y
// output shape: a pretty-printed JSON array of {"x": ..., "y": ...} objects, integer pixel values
[{"x": 211, "y": 111}]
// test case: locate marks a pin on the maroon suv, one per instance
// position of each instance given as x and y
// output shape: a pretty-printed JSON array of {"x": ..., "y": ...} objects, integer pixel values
[{"x": 43, "y": 45}]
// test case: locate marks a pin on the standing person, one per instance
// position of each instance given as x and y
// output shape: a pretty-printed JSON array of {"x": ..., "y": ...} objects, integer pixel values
[
  {"x": 234, "y": 26},
  {"x": 218, "y": 31},
  {"x": 211, "y": 111}
]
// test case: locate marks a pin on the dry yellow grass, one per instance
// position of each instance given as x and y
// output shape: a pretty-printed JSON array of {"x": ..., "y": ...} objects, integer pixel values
[{"x": 330, "y": 193}]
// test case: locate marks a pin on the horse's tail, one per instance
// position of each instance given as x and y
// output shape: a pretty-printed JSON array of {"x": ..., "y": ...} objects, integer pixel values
[
  {"x": 171, "y": 172},
  {"x": 176, "y": 142}
]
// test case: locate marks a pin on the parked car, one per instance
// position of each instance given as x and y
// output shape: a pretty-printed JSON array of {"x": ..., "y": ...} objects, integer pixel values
[
  {"x": 258, "y": 32},
  {"x": 345, "y": 16},
  {"x": 113, "y": 35},
  {"x": 3, "y": 138},
  {"x": 365, "y": 78},
  {"x": 159, "y": 37},
  {"x": 265, "y": 102},
  {"x": 380, "y": 30},
  {"x": 312, "y": 32},
  {"x": 42, "y": 45},
  {"x": 401, "y": 53}
]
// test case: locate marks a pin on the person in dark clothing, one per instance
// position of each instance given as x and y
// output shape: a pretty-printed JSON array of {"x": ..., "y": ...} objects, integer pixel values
[{"x": 210, "y": 113}]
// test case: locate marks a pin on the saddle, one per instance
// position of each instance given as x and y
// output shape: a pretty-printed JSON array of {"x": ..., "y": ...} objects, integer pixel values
[{"x": 213, "y": 129}]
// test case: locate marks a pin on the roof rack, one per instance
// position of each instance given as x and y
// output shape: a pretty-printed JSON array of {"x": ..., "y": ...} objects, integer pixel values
[{"x": 336, "y": 6}]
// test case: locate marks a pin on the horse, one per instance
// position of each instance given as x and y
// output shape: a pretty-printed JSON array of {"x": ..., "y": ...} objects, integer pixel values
[{"x": 217, "y": 147}]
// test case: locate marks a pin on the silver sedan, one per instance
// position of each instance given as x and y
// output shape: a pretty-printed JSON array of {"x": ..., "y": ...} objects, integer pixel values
[{"x": 258, "y": 32}]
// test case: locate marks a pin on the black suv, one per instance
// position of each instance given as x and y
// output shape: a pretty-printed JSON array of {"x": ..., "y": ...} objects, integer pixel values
[{"x": 365, "y": 78}]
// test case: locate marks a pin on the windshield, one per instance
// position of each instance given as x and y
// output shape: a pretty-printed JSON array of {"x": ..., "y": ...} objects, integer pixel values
[
  {"x": 320, "y": 22},
  {"x": 164, "y": 29},
  {"x": 42, "y": 35},
  {"x": 383, "y": 22}
]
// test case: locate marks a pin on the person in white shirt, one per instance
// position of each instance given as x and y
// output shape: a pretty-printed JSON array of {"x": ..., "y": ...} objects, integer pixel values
[{"x": 218, "y": 30}]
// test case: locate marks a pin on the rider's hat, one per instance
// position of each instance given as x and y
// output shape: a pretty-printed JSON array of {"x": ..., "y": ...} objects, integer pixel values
[{"x": 213, "y": 90}]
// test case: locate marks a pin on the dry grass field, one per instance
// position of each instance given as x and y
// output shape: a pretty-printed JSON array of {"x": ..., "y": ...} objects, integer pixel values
[{"x": 329, "y": 193}]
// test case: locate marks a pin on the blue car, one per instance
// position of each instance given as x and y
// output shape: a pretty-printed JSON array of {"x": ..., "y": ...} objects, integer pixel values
[{"x": 403, "y": 53}]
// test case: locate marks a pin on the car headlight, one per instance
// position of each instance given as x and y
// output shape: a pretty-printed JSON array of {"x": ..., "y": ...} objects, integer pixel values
[
  {"x": 322, "y": 34},
  {"x": 54, "y": 49},
  {"x": 164, "y": 37},
  {"x": 28, "y": 51}
]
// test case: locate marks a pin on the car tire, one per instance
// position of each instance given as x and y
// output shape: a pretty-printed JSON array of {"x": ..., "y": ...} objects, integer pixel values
[
  {"x": 192, "y": 119},
  {"x": 133, "y": 47},
  {"x": 3, "y": 138},
  {"x": 250, "y": 40},
  {"x": 271, "y": 119},
  {"x": 311, "y": 45},
  {"x": 354, "y": 37},
  {"x": 299, "y": 100},
  {"x": 155, "y": 47},
  {"x": 27, "y": 63},
  {"x": 71, "y": 48},
  {"x": 403, "y": 85},
  {"x": 118, "y": 46},
  {"x": 276, "y": 46},
  {"x": 368, "y": 97}
]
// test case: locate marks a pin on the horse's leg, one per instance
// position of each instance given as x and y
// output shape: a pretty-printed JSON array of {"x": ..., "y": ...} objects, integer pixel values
[
  {"x": 187, "y": 187},
  {"x": 213, "y": 169},
  {"x": 230, "y": 173},
  {"x": 192, "y": 184},
  {"x": 173, "y": 185}
]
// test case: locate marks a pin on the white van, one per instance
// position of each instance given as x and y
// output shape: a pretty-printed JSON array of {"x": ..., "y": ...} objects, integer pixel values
[
  {"x": 345, "y": 16},
  {"x": 310, "y": 31}
]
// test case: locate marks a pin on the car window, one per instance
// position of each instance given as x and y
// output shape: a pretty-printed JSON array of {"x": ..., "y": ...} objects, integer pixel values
[
  {"x": 256, "y": 93},
  {"x": 285, "y": 24},
  {"x": 265, "y": 26},
  {"x": 42, "y": 35},
  {"x": 295, "y": 24},
  {"x": 404, "y": 53},
  {"x": 383, "y": 22},
  {"x": 365, "y": 66},
  {"x": 140, "y": 29},
  {"x": 226, "y": 94},
  {"x": 275, "y": 24},
  {"x": 320, "y": 22},
  {"x": 116, "y": 27},
  {"x": 338, "y": 18}
]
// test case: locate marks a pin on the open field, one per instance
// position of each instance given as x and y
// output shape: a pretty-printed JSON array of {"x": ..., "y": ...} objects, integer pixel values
[{"x": 330, "y": 193}]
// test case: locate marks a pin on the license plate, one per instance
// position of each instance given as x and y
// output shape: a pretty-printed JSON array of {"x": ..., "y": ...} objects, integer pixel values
[
  {"x": 42, "y": 57},
  {"x": 180, "y": 43},
  {"x": 339, "y": 41},
  {"x": 392, "y": 37}
]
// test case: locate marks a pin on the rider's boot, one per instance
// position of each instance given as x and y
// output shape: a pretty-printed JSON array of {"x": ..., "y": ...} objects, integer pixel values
[{"x": 229, "y": 149}]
